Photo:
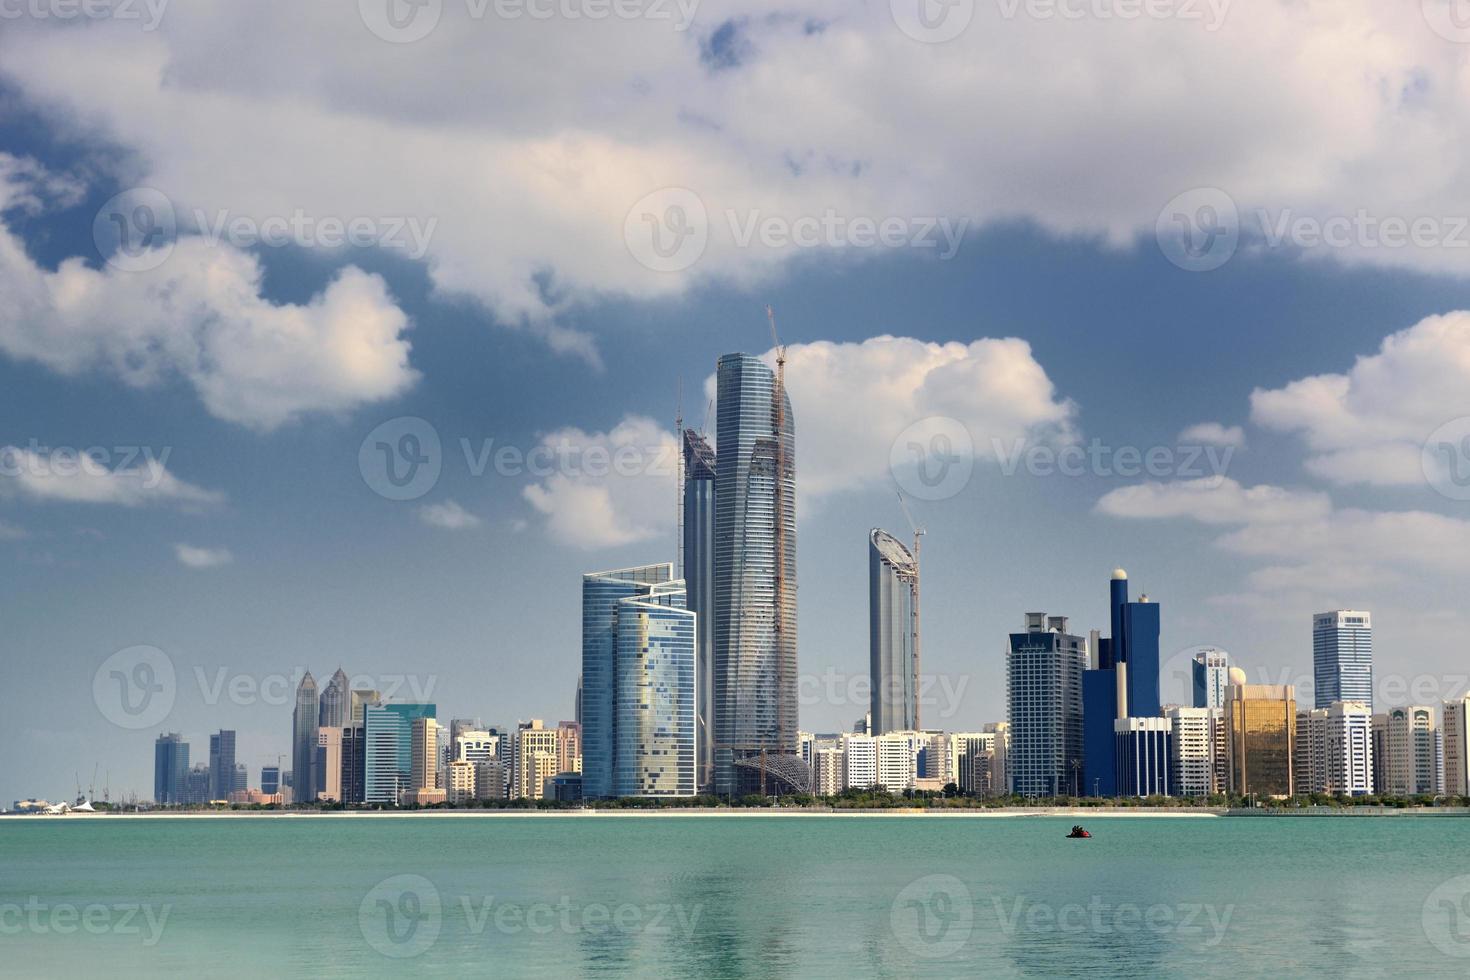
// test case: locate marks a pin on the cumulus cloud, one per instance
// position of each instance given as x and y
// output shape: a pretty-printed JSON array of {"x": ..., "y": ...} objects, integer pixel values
[
  {"x": 202, "y": 557},
  {"x": 1214, "y": 500},
  {"x": 199, "y": 314},
  {"x": 448, "y": 515},
  {"x": 1213, "y": 434},
  {"x": 851, "y": 401},
  {"x": 774, "y": 116},
  {"x": 78, "y": 478},
  {"x": 605, "y": 489},
  {"x": 1369, "y": 425}
]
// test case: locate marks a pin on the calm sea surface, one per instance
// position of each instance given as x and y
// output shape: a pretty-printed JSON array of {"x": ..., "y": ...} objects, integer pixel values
[{"x": 735, "y": 897}]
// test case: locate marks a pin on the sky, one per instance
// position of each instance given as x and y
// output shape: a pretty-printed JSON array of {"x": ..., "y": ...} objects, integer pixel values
[{"x": 354, "y": 334}]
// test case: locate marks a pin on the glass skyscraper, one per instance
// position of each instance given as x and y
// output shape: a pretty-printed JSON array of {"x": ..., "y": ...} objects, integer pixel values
[
  {"x": 221, "y": 765},
  {"x": 601, "y": 593},
  {"x": 655, "y": 731},
  {"x": 388, "y": 749},
  {"x": 1342, "y": 657},
  {"x": 699, "y": 579},
  {"x": 334, "y": 704},
  {"x": 893, "y": 583},
  {"x": 303, "y": 741},
  {"x": 170, "y": 768},
  {"x": 755, "y": 568}
]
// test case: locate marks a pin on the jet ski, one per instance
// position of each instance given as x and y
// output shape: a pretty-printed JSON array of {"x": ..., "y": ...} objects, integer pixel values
[{"x": 1078, "y": 832}]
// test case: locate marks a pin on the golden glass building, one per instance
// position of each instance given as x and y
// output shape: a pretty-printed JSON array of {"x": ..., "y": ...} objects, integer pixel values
[{"x": 1261, "y": 729}]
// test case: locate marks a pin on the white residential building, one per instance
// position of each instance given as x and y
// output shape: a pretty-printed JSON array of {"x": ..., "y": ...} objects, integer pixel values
[
  {"x": 1456, "y": 730},
  {"x": 1193, "y": 748},
  {"x": 1411, "y": 766},
  {"x": 861, "y": 752},
  {"x": 830, "y": 770}
]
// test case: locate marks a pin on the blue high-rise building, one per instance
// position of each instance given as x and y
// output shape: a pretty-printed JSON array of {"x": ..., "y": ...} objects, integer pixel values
[
  {"x": 1342, "y": 657},
  {"x": 1044, "y": 668},
  {"x": 1123, "y": 683},
  {"x": 1099, "y": 713},
  {"x": 1141, "y": 652},
  {"x": 655, "y": 733},
  {"x": 698, "y": 570},
  {"x": 388, "y": 748},
  {"x": 170, "y": 769},
  {"x": 601, "y": 594},
  {"x": 304, "y": 724},
  {"x": 1211, "y": 673},
  {"x": 1144, "y": 749},
  {"x": 755, "y": 573}
]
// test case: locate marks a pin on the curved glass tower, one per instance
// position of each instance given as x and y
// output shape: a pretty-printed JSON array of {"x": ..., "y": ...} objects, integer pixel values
[
  {"x": 893, "y": 585},
  {"x": 754, "y": 568},
  {"x": 654, "y": 699}
]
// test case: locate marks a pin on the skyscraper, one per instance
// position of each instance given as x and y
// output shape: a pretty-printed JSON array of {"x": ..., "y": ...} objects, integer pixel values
[
  {"x": 335, "y": 703},
  {"x": 1044, "y": 707},
  {"x": 601, "y": 594},
  {"x": 1411, "y": 763},
  {"x": 303, "y": 741},
  {"x": 1211, "y": 674},
  {"x": 655, "y": 698},
  {"x": 170, "y": 767},
  {"x": 755, "y": 568},
  {"x": 221, "y": 765},
  {"x": 388, "y": 748},
  {"x": 1123, "y": 682},
  {"x": 1455, "y": 727},
  {"x": 1261, "y": 724},
  {"x": 698, "y": 570},
  {"x": 1144, "y": 756},
  {"x": 329, "y": 764},
  {"x": 1342, "y": 657},
  {"x": 893, "y": 600}
]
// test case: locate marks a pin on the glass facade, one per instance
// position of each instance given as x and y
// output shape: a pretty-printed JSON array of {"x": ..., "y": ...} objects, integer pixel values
[
  {"x": 334, "y": 702},
  {"x": 1211, "y": 672},
  {"x": 304, "y": 723},
  {"x": 601, "y": 593},
  {"x": 1044, "y": 707},
  {"x": 1261, "y": 722},
  {"x": 1141, "y": 646},
  {"x": 221, "y": 764},
  {"x": 755, "y": 568},
  {"x": 1342, "y": 657},
  {"x": 387, "y": 748},
  {"x": 893, "y": 583},
  {"x": 699, "y": 581},
  {"x": 1144, "y": 752},
  {"x": 170, "y": 768},
  {"x": 655, "y": 701}
]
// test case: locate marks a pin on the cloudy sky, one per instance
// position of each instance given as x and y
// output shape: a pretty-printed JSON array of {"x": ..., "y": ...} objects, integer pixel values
[{"x": 353, "y": 333}]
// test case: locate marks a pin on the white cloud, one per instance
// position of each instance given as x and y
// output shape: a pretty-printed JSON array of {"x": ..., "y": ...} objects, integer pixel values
[
  {"x": 200, "y": 315},
  {"x": 448, "y": 515},
  {"x": 1215, "y": 500},
  {"x": 1323, "y": 108},
  {"x": 202, "y": 557},
  {"x": 72, "y": 478},
  {"x": 1213, "y": 434},
  {"x": 1370, "y": 424},
  {"x": 851, "y": 401},
  {"x": 605, "y": 489}
]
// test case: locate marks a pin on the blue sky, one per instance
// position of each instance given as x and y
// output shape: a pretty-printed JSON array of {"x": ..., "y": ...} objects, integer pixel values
[{"x": 260, "y": 549}]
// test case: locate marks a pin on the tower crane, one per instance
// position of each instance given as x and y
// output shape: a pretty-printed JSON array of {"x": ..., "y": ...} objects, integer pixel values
[{"x": 915, "y": 626}]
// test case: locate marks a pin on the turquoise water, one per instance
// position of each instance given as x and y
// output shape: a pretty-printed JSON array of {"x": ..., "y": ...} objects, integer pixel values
[{"x": 735, "y": 897}]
